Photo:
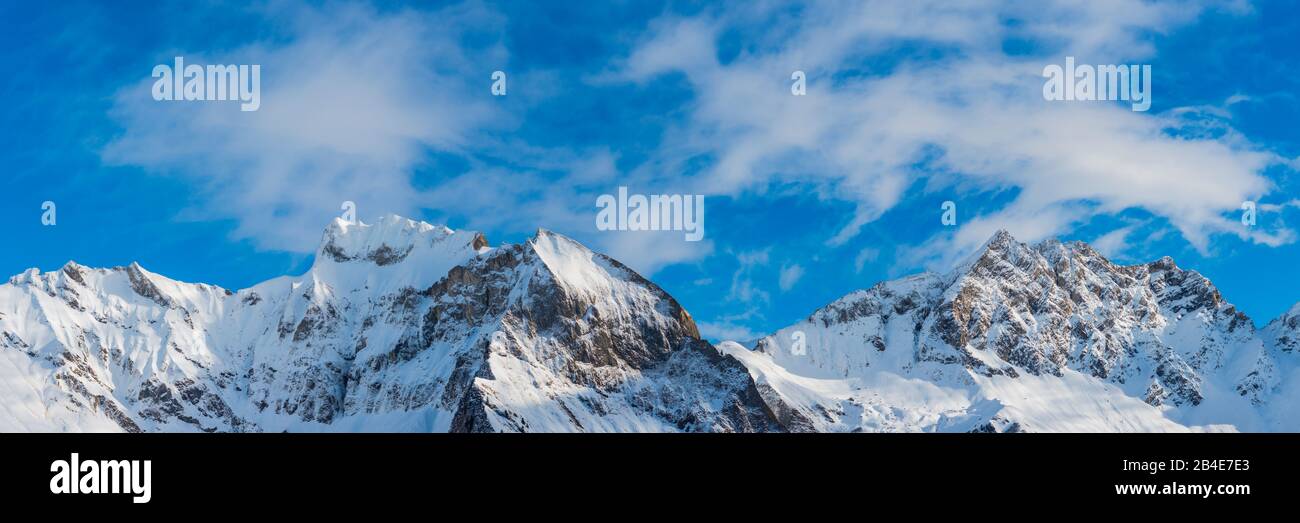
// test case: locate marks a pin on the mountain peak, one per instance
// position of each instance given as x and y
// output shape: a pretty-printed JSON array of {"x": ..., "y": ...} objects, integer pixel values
[
  {"x": 1001, "y": 241},
  {"x": 399, "y": 325},
  {"x": 570, "y": 261},
  {"x": 999, "y": 246},
  {"x": 26, "y": 277},
  {"x": 1001, "y": 236},
  {"x": 544, "y": 234},
  {"x": 1164, "y": 263},
  {"x": 387, "y": 240},
  {"x": 388, "y": 225}
]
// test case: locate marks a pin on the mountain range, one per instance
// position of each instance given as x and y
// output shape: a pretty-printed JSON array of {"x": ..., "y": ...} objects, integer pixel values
[{"x": 401, "y": 325}]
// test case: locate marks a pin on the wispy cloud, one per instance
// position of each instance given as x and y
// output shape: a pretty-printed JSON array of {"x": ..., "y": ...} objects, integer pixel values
[
  {"x": 964, "y": 113},
  {"x": 356, "y": 98},
  {"x": 352, "y": 99},
  {"x": 726, "y": 331},
  {"x": 743, "y": 288},
  {"x": 1113, "y": 243},
  {"x": 865, "y": 256},
  {"x": 790, "y": 275}
]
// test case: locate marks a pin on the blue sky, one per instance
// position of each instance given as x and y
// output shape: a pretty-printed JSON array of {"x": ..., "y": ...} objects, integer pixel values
[{"x": 908, "y": 105}]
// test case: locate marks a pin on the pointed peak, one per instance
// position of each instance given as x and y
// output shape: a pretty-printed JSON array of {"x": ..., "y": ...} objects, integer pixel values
[
  {"x": 997, "y": 246},
  {"x": 1001, "y": 241},
  {"x": 547, "y": 236},
  {"x": 572, "y": 262},
  {"x": 1001, "y": 236},
  {"x": 75, "y": 272},
  {"x": 135, "y": 270},
  {"x": 1164, "y": 263},
  {"x": 143, "y": 283}
]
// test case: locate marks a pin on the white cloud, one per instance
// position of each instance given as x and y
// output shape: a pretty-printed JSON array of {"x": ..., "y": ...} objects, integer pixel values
[
  {"x": 975, "y": 116},
  {"x": 726, "y": 331},
  {"x": 743, "y": 288},
  {"x": 790, "y": 275},
  {"x": 1113, "y": 243},
  {"x": 1277, "y": 207},
  {"x": 557, "y": 189},
  {"x": 648, "y": 251},
  {"x": 351, "y": 101},
  {"x": 865, "y": 256},
  {"x": 354, "y": 98}
]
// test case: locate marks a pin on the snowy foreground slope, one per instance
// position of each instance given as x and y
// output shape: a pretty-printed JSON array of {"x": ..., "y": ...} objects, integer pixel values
[
  {"x": 1050, "y": 337},
  {"x": 398, "y": 326},
  {"x": 406, "y": 326}
]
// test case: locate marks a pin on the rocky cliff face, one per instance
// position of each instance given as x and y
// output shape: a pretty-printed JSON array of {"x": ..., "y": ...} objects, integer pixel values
[
  {"x": 998, "y": 335},
  {"x": 398, "y": 326}
]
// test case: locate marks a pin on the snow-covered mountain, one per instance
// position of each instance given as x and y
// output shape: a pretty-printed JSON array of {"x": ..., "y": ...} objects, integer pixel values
[
  {"x": 398, "y": 326},
  {"x": 1050, "y": 337},
  {"x": 406, "y": 326}
]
